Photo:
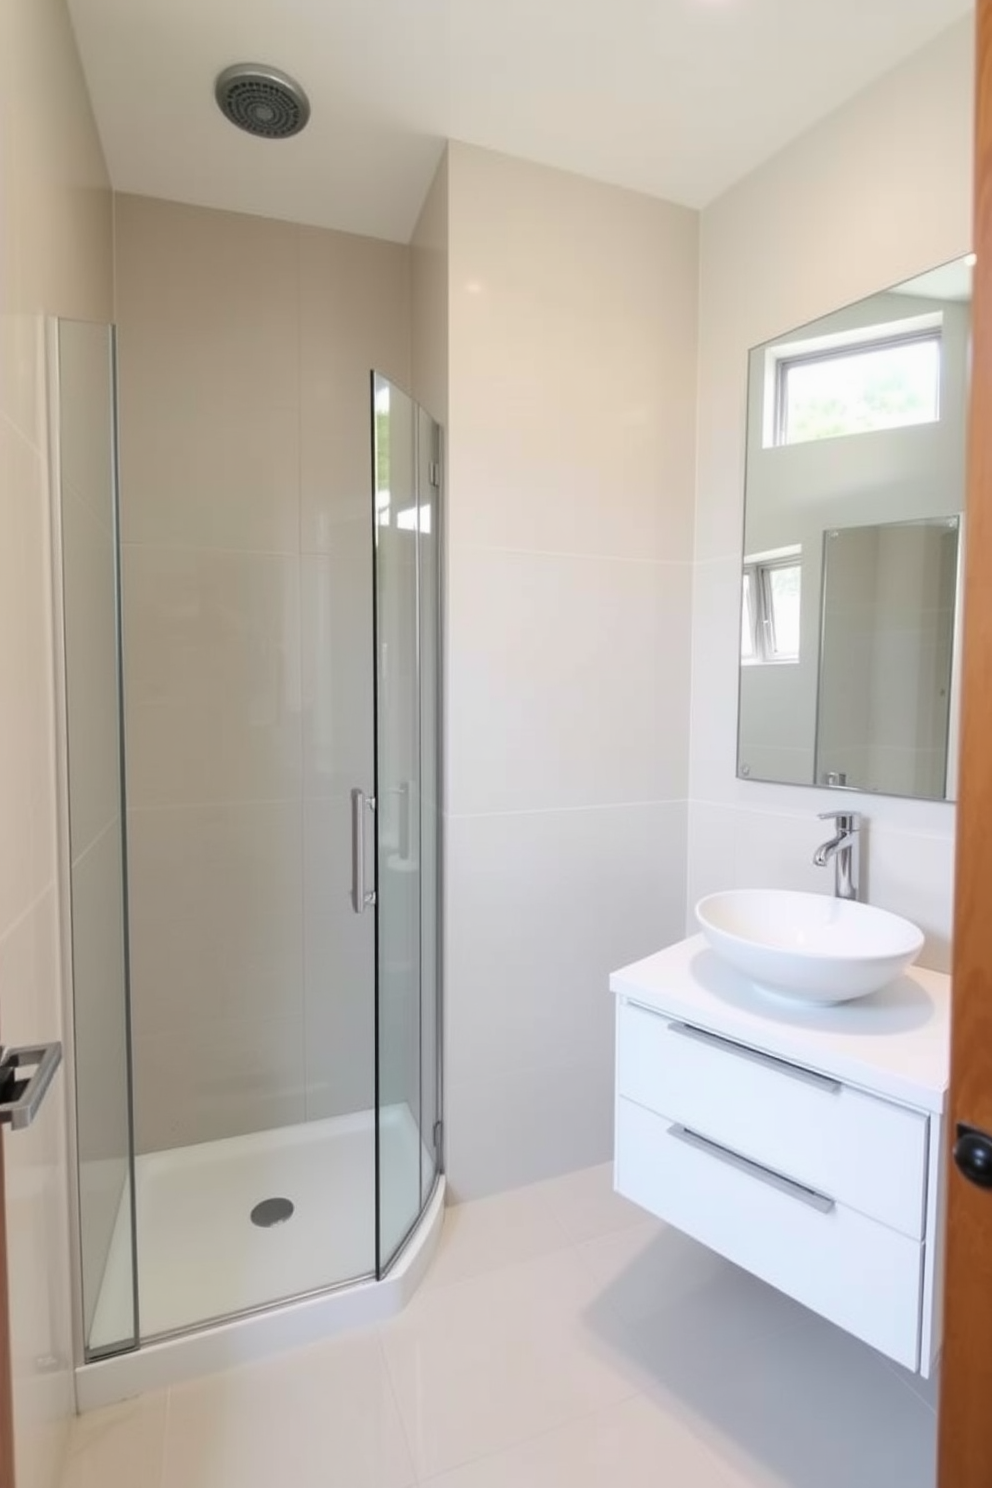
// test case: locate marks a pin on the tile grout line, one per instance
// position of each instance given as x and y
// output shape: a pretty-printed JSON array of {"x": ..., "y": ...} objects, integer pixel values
[{"x": 391, "y": 1387}]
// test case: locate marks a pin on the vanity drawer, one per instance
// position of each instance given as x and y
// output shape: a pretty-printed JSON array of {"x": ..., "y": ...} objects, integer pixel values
[
  {"x": 860, "y": 1274},
  {"x": 865, "y": 1152}
]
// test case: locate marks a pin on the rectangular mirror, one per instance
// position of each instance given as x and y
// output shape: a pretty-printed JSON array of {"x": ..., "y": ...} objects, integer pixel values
[{"x": 854, "y": 490}]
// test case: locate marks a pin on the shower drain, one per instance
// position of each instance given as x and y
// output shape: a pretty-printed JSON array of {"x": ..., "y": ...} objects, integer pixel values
[{"x": 271, "y": 1212}]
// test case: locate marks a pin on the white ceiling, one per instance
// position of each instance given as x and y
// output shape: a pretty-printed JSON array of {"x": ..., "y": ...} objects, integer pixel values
[{"x": 677, "y": 98}]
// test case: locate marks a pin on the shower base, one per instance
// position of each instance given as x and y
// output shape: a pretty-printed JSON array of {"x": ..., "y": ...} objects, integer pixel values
[{"x": 205, "y": 1265}]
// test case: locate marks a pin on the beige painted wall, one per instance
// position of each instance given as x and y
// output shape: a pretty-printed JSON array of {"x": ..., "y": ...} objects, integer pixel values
[
  {"x": 572, "y": 339},
  {"x": 245, "y": 349},
  {"x": 55, "y": 258},
  {"x": 874, "y": 195}
]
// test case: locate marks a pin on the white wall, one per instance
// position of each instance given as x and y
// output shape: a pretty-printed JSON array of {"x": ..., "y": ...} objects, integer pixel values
[
  {"x": 55, "y": 258},
  {"x": 879, "y": 192},
  {"x": 572, "y": 337}
]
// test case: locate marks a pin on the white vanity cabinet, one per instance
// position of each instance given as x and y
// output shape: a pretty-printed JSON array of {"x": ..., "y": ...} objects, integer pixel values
[{"x": 804, "y": 1144}]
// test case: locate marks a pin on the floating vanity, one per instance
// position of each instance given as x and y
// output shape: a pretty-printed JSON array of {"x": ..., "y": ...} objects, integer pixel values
[{"x": 804, "y": 1143}]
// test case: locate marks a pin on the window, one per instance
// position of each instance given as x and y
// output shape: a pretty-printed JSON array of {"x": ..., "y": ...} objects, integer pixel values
[
  {"x": 856, "y": 388},
  {"x": 770, "y": 610}
]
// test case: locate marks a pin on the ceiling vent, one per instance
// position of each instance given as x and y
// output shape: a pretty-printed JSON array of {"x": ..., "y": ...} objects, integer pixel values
[{"x": 262, "y": 100}]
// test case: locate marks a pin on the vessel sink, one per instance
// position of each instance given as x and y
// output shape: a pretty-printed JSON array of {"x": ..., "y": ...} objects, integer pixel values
[{"x": 808, "y": 947}]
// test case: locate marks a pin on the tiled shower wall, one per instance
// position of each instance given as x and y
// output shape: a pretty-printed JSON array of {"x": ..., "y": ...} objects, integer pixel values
[{"x": 245, "y": 350}]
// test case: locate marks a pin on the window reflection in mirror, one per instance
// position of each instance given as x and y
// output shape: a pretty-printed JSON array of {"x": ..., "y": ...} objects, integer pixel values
[{"x": 854, "y": 484}]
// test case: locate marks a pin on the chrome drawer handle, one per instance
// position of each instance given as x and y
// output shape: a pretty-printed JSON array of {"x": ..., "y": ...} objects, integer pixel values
[
  {"x": 743, "y": 1051},
  {"x": 19, "y": 1097},
  {"x": 754, "y": 1170}
]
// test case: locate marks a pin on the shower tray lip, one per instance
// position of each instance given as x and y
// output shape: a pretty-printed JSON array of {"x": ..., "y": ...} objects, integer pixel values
[{"x": 187, "y": 1353}]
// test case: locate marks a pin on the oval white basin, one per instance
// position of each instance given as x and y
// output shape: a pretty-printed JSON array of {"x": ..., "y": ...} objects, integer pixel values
[{"x": 808, "y": 947}]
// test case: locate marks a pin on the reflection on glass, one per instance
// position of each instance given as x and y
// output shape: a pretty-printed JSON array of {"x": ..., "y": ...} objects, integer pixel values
[
  {"x": 853, "y": 392},
  {"x": 887, "y": 653},
  {"x": 854, "y": 421}
]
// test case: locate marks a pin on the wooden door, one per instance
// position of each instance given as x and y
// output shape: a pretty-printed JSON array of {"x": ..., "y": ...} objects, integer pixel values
[
  {"x": 966, "y": 1390},
  {"x": 6, "y": 1371}
]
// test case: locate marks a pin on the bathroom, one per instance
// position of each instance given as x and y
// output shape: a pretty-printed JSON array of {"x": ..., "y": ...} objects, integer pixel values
[{"x": 583, "y": 347}]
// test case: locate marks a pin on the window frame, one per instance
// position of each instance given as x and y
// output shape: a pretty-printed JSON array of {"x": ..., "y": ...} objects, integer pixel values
[
  {"x": 757, "y": 575},
  {"x": 785, "y": 364}
]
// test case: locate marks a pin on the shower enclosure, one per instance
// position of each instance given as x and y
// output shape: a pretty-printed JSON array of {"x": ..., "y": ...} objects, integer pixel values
[{"x": 255, "y": 1004}]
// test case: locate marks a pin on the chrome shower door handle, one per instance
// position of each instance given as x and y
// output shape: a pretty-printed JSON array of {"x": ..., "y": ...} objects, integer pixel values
[
  {"x": 361, "y": 897},
  {"x": 21, "y": 1097}
]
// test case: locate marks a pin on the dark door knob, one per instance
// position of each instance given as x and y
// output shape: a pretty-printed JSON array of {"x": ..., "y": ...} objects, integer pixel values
[{"x": 973, "y": 1155}]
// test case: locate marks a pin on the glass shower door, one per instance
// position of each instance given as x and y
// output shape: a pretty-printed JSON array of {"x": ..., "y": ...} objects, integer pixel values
[{"x": 406, "y": 810}]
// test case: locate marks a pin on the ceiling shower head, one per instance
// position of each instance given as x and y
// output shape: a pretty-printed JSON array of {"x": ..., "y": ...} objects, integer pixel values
[{"x": 262, "y": 100}]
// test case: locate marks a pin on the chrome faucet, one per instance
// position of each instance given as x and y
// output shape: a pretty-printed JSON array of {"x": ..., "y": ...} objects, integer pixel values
[{"x": 845, "y": 849}]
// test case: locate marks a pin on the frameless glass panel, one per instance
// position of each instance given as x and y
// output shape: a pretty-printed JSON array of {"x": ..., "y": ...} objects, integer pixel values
[
  {"x": 86, "y": 519},
  {"x": 398, "y": 845}
]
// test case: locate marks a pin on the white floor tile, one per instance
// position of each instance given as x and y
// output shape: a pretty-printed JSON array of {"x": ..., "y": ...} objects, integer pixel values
[
  {"x": 121, "y": 1447},
  {"x": 808, "y": 1408},
  {"x": 669, "y": 1288},
  {"x": 631, "y": 1445},
  {"x": 483, "y": 1364},
  {"x": 324, "y": 1417},
  {"x": 484, "y": 1234},
  {"x": 587, "y": 1206}
]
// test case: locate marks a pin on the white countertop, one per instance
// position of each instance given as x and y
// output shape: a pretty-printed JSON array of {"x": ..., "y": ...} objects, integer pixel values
[{"x": 895, "y": 1043}]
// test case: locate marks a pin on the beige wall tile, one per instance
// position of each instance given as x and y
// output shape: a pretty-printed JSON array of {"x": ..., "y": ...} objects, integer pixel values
[
  {"x": 239, "y": 1075},
  {"x": 337, "y": 661},
  {"x": 339, "y": 968},
  {"x": 354, "y": 318},
  {"x": 573, "y": 344},
  {"x": 37, "y": 1194},
  {"x": 216, "y": 914},
  {"x": 571, "y": 449},
  {"x": 93, "y": 713},
  {"x": 99, "y": 995},
  {"x": 541, "y": 994},
  {"x": 429, "y": 299},
  {"x": 210, "y": 377},
  {"x": 27, "y": 808},
  {"x": 568, "y": 678},
  {"x": 212, "y": 675}
]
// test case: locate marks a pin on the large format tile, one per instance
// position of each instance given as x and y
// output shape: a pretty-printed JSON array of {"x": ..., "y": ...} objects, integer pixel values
[
  {"x": 212, "y": 668},
  {"x": 338, "y": 969},
  {"x": 216, "y": 914},
  {"x": 587, "y": 1205},
  {"x": 486, "y": 1234},
  {"x": 219, "y": 1078},
  {"x": 338, "y": 663},
  {"x": 120, "y": 1447},
  {"x": 635, "y": 1444},
  {"x": 208, "y": 321},
  {"x": 539, "y": 992},
  {"x": 811, "y": 1408},
  {"x": 484, "y": 1363},
  {"x": 568, "y": 680},
  {"x": 26, "y": 795},
  {"x": 323, "y": 1417},
  {"x": 37, "y": 1204},
  {"x": 93, "y": 716},
  {"x": 355, "y": 318},
  {"x": 510, "y": 1127},
  {"x": 560, "y": 364}
]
